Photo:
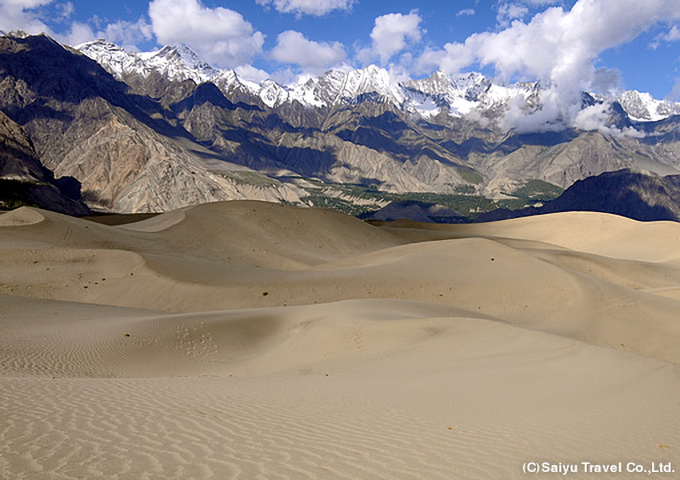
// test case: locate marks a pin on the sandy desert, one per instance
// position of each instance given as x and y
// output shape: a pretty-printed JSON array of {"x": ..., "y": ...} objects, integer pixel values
[{"x": 260, "y": 341}]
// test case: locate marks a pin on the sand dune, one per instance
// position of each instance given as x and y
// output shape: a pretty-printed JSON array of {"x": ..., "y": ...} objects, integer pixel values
[
  {"x": 589, "y": 232},
  {"x": 251, "y": 340}
]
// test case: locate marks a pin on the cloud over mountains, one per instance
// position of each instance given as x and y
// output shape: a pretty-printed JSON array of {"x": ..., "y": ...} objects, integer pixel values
[
  {"x": 308, "y": 7},
  {"x": 391, "y": 35},
  {"x": 222, "y": 35},
  {"x": 558, "y": 47},
  {"x": 532, "y": 40},
  {"x": 294, "y": 48}
]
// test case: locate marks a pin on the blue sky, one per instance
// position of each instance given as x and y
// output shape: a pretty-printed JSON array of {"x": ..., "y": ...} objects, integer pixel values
[{"x": 597, "y": 45}]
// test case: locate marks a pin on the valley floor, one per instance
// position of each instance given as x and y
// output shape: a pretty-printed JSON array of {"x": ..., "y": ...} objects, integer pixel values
[{"x": 252, "y": 340}]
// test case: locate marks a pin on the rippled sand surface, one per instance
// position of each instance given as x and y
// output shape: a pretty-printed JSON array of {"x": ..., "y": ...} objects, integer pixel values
[{"x": 251, "y": 340}]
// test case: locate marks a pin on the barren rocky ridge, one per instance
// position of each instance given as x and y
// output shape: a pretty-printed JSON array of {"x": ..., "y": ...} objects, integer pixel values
[{"x": 150, "y": 133}]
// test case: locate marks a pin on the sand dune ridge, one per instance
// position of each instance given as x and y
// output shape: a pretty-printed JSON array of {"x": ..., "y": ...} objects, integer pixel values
[{"x": 251, "y": 340}]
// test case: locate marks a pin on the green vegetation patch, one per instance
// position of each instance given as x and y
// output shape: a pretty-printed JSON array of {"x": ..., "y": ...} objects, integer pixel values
[
  {"x": 534, "y": 191},
  {"x": 471, "y": 176},
  {"x": 250, "y": 178},
  {"x": 369, "y": 198},
  {"x": 467, "y": 205},
  {"x": 334, "y": 203}
]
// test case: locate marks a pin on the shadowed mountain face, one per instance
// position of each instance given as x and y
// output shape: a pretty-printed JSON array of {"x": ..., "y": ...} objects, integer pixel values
[
  {"x": 418, "y": 212},
  {"x": 640, "y": 196},
  {"x": 25, "y": 181},
  {"x": 143, "y": 140},
  {"x": 18, "y": 160},
  {"x": 129, "y": 151}
]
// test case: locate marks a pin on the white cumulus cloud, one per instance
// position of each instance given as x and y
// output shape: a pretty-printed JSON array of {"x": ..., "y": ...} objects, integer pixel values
[
  {"x": 294, "y": 48},
  {"x": 66, "y": 10},
  {"x": 251, "y": 74},
  {"x": 557, "y": 46},
  {"x": 27, "y": 16},
  {"x": 453, "y": 58},
  {"x": 308, "y": 7},
  {"x": 675, "y": 93},
  {"x": 673, "y": 35},
  {"x": 77, "y": 34},
  {"x": 595, "y": 118},
  {"x": 510, "y": 11},
  {"x": 24, "y": 4},
  {"x": 221, "y": 35},
  {"x": 19, "y": 15},
  {"x": 391, "y": 34},
  {"x": 127, "y": 34}
]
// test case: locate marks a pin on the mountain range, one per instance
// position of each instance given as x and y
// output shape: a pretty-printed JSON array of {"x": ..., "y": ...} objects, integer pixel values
[
  {"x": 150, "y": 132},
  {"x": 638, "y": 195}
]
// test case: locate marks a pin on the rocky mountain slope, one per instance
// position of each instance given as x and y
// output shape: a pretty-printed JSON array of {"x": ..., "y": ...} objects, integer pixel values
[
  {"x": 638, "y": 195},
  {"x": 418, "y": 212},
  {"x": 154, "y": 131},
  {"x": 24, "y": 180},
  {"x": 424, "y": 121},
  {"x": 130, "y": 153}
]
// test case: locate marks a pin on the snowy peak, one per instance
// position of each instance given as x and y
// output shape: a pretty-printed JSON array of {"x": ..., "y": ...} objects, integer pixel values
[
  {"x": 463, "y": 93},
  {"x": 15, "y": 33},
  {"x": 469, "y": 86},
  {"x": 460, "y": 94},
  {"x": 230, "y": 83},
  {"x": 177, "y": 63},
  {"x": 643, "y": 107},
  {"x": 273, "y": 94},
  {"x": 183, "y": 55},
  {"x": 322, "y": 91},
  {"x": 456, "y": 95},
  {"x": 181, "y": 63},
  {"x": 373, "y": 82},
  {"x": 116, "y": 60},
  {"x": 335, "y": 87}
]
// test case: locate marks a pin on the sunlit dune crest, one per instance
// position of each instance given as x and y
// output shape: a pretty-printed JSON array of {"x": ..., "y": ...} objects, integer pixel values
[{"x": 255, "y": 340}]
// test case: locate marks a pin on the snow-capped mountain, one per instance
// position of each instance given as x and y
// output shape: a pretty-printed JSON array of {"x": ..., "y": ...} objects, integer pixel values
[
  {"x": 335, "y": 87},
  {"x": 457, "y": 95},
  {"x": 176, "y": 63},
  {"x": 644, "y": 108},
  {"x": 169, "y": 137},
  {"x": 321, "y": 91},
  {"x": 374, "y": 81},
  {"x": 460, "y": 95}
]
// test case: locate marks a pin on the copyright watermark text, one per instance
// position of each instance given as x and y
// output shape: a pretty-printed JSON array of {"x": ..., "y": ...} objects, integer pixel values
[{"x": 594, "y": 468}]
